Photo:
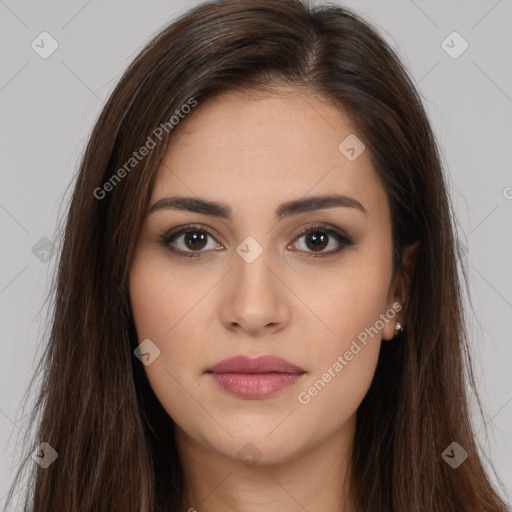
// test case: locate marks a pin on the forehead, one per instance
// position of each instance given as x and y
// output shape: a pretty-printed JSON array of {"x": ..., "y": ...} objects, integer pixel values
[{"x": 266, "y": 149}]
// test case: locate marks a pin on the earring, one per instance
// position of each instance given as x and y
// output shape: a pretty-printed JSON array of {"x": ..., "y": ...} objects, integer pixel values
[{"x": 398, "y": 326}]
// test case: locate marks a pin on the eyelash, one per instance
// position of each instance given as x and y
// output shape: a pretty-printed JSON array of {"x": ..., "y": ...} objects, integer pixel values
[{"x": 343, "y": 239}]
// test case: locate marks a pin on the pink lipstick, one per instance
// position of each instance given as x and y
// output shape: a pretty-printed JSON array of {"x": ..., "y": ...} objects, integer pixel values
[{"x": 255, "y": 378}]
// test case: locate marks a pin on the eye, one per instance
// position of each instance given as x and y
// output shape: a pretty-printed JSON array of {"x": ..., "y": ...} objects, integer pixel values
[
  {"x": 193, "y": 240},
  {"x": 189, "y": 241},
  {"x": 317, "y": 238}
]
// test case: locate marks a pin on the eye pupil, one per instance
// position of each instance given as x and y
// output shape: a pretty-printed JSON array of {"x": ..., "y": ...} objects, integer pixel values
[
  {"x": 197, "y": 237},
  {"x": 319, "y": 240}
]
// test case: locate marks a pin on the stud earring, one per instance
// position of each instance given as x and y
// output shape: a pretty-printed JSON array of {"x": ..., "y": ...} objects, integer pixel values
[{"x": 398, "y": 326}]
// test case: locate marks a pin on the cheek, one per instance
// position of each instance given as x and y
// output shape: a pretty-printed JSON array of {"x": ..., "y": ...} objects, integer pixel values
[
  {"x": 161, "y": 307},
  {"x": 346, "y": 356},
  {"x": 160, "y": 298},
  {"x": 348, "y": 299},
  {"x": 344, "y": 363}
]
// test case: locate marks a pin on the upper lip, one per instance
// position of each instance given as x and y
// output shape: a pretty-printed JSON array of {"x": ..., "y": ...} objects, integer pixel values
[{"x": 260, "y": 364}]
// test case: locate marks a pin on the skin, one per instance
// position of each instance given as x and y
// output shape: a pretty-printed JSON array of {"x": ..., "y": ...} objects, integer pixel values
[{"x": 255, "y": 153}]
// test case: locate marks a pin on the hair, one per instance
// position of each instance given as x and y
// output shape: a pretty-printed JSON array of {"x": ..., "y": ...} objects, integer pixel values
[{"x": 115, "y": 442}]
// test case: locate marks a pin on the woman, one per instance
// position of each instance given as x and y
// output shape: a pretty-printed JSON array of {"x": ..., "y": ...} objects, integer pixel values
[{"x": 257, "y": 304}]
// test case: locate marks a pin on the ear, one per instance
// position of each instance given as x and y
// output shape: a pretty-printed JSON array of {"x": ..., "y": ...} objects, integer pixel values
[{"x": 399, "y": 290}]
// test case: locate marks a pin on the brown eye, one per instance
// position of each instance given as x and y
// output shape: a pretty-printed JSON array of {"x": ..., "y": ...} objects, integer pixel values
[
  {"x": 189, "y": 241},
  {"x": 318, "y": 238},
  {"x": 195, "y": 240}
]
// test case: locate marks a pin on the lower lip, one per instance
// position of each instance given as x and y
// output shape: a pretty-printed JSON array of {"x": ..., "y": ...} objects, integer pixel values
[{"x": 254, "y": 385}]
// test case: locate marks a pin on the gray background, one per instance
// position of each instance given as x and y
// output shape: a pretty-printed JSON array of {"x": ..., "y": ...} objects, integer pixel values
[{"x": 47, "y": 107}]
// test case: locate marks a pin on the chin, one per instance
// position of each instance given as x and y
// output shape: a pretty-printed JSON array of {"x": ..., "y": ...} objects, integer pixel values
[{"x": 260, "y": 448}]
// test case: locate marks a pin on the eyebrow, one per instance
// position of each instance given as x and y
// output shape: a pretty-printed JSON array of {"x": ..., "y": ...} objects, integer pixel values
[{"x": 224, "y": 211}]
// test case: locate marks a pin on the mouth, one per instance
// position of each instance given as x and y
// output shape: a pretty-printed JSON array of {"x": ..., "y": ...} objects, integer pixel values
[{"x": 254, "y": 378}]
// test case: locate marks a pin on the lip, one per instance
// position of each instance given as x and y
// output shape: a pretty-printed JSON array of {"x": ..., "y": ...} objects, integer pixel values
[
  {"x": 260, "y": 364},
  {"x": 255, "y": 378}
]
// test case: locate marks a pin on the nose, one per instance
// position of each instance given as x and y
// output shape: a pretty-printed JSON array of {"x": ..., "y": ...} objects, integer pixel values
[{"x": 256, "y": 301}]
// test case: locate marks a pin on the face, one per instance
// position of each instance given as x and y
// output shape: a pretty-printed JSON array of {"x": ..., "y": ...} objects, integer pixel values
[{"x": 309, "y": 282}]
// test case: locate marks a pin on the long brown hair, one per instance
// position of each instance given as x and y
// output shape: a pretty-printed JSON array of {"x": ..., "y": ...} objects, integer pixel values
[{"x": 114, "y": 440}]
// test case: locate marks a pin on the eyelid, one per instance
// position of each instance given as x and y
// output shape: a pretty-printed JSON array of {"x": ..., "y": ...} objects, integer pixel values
[
  {"x": 343, "y": 239},
  {"x": 188, "y": 227}
]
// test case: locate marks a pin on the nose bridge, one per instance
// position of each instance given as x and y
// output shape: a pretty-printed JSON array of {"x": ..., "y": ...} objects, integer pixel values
[{"x": 252, "y": 273}]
